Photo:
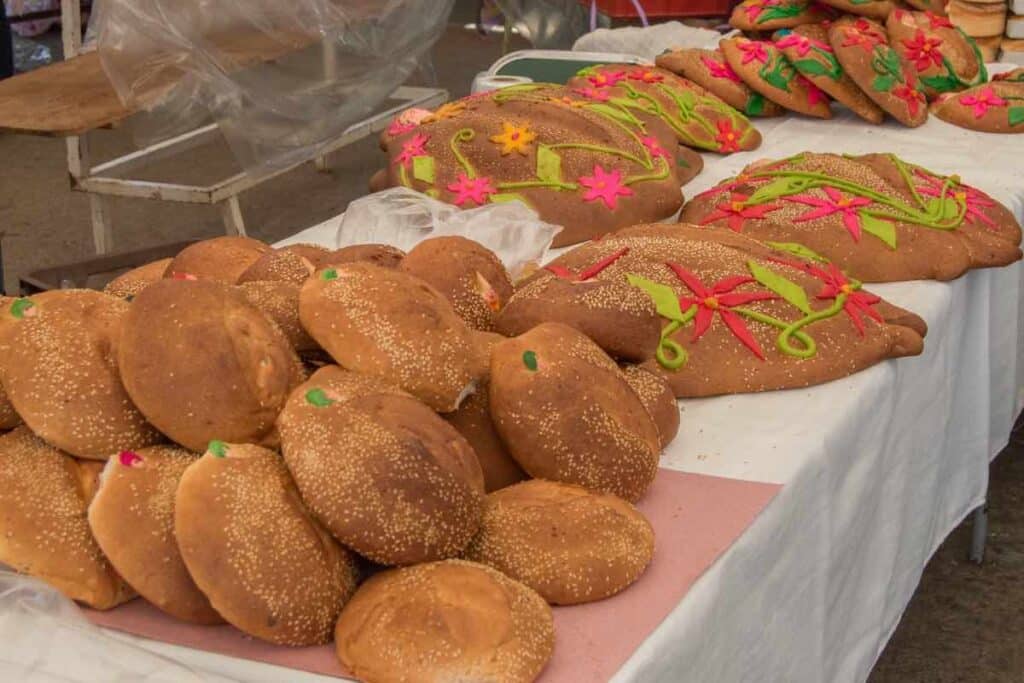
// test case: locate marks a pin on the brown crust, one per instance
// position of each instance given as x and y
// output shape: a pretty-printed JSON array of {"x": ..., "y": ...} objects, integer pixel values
[
  {"x": 442, "y": 622},
  {"x": 797, "y": 97},
  {"x": 280, "y": 302},
  {"x": 252, "y": 547},
  {"x": 223, "y": 259},
  {"x": 132, "y": 518},
  {"x": 568, "y": 544},
  {"x": 383, "y": 255},
  {"x": 692, "y": 63},
  {"x": 658, "y": 398},
  {"x": 127, "y": 285},
  {"x": 912, "y": 33},
  {"x": 952, "y": 109},
  {"x": 293, "y": 264}
]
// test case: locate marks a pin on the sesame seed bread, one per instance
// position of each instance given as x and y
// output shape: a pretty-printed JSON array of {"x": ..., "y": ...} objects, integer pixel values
[
  {"x": 656, "y": 394},
  {"x": 127, "y": 285},
  {"x": 383, "y": 255},
  {"x": 386, "y": 323},
  {"x": 9, "y": 418},
  {"x": 43, "y": 529},
  {"x": 387, "y": 476},
  {"x": 253, "y": 548},
  {"x": 566, "y": 413},
  {"x": 569, "y": 544},
  {"x": 280, "y": 302},
  {"x": 223, "y": 259},
  {"x": 293, "y": 264},
  {"x": 203, "y": 364},
  {"x": 132, "y": 518},
  {"x": 469, "y": 275},
  {"x": 58, "y": 364},
  {"x": 444, "y": 622}
]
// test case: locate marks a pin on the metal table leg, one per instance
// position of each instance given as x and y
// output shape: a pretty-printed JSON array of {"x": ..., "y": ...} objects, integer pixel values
[{"x": 979, "y": 530}]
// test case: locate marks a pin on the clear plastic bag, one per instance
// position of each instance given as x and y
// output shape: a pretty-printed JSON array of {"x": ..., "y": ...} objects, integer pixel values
[{"x": 281, "y": 79}]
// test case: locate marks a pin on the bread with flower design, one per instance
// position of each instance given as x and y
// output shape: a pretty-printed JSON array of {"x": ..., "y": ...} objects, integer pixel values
[
  {"x": 944, "y": 57},
  {"x": 875, "y": 9},
  {"x": 768, "y": 15},
  {"x": 995, "y": 107},
  {"x": 709, "y": 70},
  {"x": 764, "y": 68},
  {"x": 875, "y": 216},
  {"x": 740, "y": 316}
]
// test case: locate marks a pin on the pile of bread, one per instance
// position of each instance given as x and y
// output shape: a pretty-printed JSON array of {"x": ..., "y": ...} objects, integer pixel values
[
  {"x": 871, "y": 56},
  {"x": 314, "y": 445}
]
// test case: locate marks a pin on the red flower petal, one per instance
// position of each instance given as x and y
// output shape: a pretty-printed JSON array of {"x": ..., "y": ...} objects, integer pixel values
[{"x": 736, "y": 326}]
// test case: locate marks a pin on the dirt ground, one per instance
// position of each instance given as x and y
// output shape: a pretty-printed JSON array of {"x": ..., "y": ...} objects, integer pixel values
[{"x": 965, "y": 622}]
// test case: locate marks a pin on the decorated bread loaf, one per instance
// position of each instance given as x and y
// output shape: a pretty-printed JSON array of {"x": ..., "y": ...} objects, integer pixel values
[
  {"x": 43, "y": 529},
  {"x": 768, "y": 15},
  {"x": 876, "y": 9},
  {"x": 943, "y": 56},
  {"x": 132, "y": 518},
  {"x": 252, "y": 547},
  {"x": 469, "y": 275},
  {"x": 127, "y": 285},
  {"x": 58, "y": 365},
  {"x": 566, "y": 413},
  {"x": 445, "y": 621},
  {"x": 996, "y": 107},
  {"x": 387, "y": 323},
  {"x": 764, "y": 68},
  {"x": 202, "y": 364},
  {"x": 876, "y": 217},
  {"x": 708, "y": 69},
  {"x": 292, "y": 264},
  {"x": 387, "y": 476},
  {"x": 223, "y": 259},
  {"x": 739, "y": 316},
  {"x": 568, "y": 544}
]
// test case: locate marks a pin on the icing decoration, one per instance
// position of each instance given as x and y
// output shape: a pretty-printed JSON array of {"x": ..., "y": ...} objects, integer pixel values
[
  {"x": 913, "y": 97},
  {"x": 217, "y": 449},
  {"x": 413, "y": 147},
  {"x": 23, "y": 308},
  {"x": 646, "y": 76},
  {"x": 814, "y": 93},
  {"x": 468, "y": 189},
  {"x": 606, "y": 79},
  {"x": 590, "y": 271},
  {"x": 1015, "y": 116},
  {"x": 836, "y": 203},
  {"x": 653, "y": 146},
  {"x": 423, "y": 168},
  {"x": 606, "y": 186},
  {"x": 834, "y": 284},
  {"x": 974, "y": 200},
  {"x": 728, "y": 140},
  {"x": 177, "y": 275},
  {"x": 936, "y": 21},
  {"x": 487, "y": 293},
  {"x": 787, "y": 289},
  {"x": 795, "y": 40},
  {"x": 530, "y": 360},
  {"x": 827, "y": 65},
  {"x": 735, "y": 211},
  {"x": 593, "y": 94},
  {"x": 514, "y": 138},
  {"x": 329, "y": 274},
  {"x": 319, "y": 398},
  {"x": 923, "y": 51},
  {"x": 720, "y": 69},
  {"x": 549, "y": 164},
  {"x": 753, "y": 51},
  {"x": 129, "y": 458},
  {"x": 448, "y": 110},
  {"x": 397, "y": 127},
  {"x": 798, "y": 249},
  {"x": 755, "y": 104},
  {"x": 862, "y": 35},
  {"x": 982, "y": 101}
]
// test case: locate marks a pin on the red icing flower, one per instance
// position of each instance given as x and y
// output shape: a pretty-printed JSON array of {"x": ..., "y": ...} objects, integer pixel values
[
  {"x": 754, "y": 8},
  {"x": 911, "y": 96},
  {"x": 646, "y": 76},
  {"x": 982, "y": 100},
  {"x": 836, "y": 283},
  {"x": 593, "y": 94},
  {"x": 975, "y": 200},
  {"x": 728, "y": 139},
  {"x": 923, "y": 51},
  {"x": 398, "y": 127},
  {"x": 719, "y": 69},
  {"x": 180, "y": 275},
  {"x": 863, "y": 35},
  {"x": 606, "y": 186},
  {"x": 606, "y": 79},
  {"x": 795, "y": 40},
  {"x": 936, "y": 21},
  {"x": 476, "y": 190},
  {"x": 590, "y": 272},
  {"x": 814, "y": 93},
  {"x": 735, "y": 212},
  {"x": 753, "y": 50},
  {"x": 719, "y": 298},
  {"x": 413, "y": 147},
  {"x": 653, "y": 146},
  {"x": 836, "y": 203},
  {"x": 724, "y": 187}
]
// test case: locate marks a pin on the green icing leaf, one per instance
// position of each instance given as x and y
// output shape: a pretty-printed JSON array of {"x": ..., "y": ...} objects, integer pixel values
[
  {"x": 944, "y": 83},
  {"x": 780, "y": 187},
  {"x": 787, "y": 289},
  {"x": 612, "y": 112},
  {"x": 549, "y": 165},
  {"x": 423, "y": 169},
  {"x": 883, "y": 83},
  {"x": 755, "y": 105},
  {"x": 812, "y": 67},
  {"x": 880, "y": 228},
  {"x": 681, "y": 162},
  {"x": 530, "y": 360},
  {"x": 799, "y": 250},
  {"x": 318, "y": 397},
  {"x": 946, "y": 208},
  {"x": 687, "y": 99},
  {"x": 503, "y": 197},
  {"x": 218, "y": 449},
  {"x": 780, "y": 12},
  {"x": 778, "y": 76},
  {"x": 890, "y": 58},
  {"x": 20, "y": 308},
  {"x": 666, "y": 301},
  {"x": 329, "y": 274},
  {"x": 1015, "y": 115}
]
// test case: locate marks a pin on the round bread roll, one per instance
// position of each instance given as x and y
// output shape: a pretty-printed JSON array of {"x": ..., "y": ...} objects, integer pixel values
[
  {"x": 222, "y": 258},
  {"x": 128, "y": 285},
  {"x": 203, "y": 364},
  {"x": 58, "y": 365},
  {"x": 392, "y": 325},
  {"x": 43, "y": 529},
  {"x": 132, "y": 518},
  {"x": 566, "y": 413},
  {"x": 470, "y": 276},
  {"x": 280, "y": 302},
  {"x": 443, "y": 622},
  {"x": 656, "y": 394},
  {"x": 293, "y": 264},
  {"x": 387, "y": 476},
  {"x": 383, "y": 255},
  {"x": 568, "y": 544},
  {"x": 252, "y": 547}
]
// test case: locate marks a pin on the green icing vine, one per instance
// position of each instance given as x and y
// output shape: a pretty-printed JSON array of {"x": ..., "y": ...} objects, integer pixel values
[{"x": 778, "y": 72}]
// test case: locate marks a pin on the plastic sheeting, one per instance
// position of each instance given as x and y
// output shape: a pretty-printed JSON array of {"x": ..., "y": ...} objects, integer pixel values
[{"x": 281, "y": 79}]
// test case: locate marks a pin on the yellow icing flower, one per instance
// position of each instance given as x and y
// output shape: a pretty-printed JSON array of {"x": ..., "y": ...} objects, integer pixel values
[
  {"x": 446, "y": 111},
  {"x": 514, "y": 138}
]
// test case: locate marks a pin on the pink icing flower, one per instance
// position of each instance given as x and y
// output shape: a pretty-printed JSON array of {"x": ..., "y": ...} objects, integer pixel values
[
  {"x": 975, "y": 200},
  {"x": 413, "y": 147},
  {"x": 606, "y": 186},
  {"x": 593, "y": 94},
  {"x": 754, "y": 8},
  {"x": 801, "y": 43},
  {"x": 606, "y": 79},
  {"x": 653, "y": 146},
  {"x": 936, "y": 21},
  {"x": 129, "y": 458},
  {"x": 720, "y": 70},
  {"x": 735, "y": 213},
  {"x": 753, "y": 50},
  {"x": 646, "y": 76},
  {"x": 476, "y": 190},
  {"x": 814, "y": 93},
  {"x": 836, "y": 203},
  {"x": 397, "y": 127},
  {"x": 982, "y": 100}
]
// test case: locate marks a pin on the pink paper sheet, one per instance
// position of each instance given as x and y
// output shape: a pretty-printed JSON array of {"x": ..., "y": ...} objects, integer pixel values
[{"x": 695, "y": 519}]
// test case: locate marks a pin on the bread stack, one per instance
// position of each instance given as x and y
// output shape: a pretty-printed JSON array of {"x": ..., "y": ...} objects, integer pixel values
[
  {"x": 983, "y": 20},
  {"x": 1013, "y": 44}
]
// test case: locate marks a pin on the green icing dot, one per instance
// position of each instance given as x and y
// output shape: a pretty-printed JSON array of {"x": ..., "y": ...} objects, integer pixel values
[
  {"x": 20, "y": 306},
  {"x": 329, "y": 274},
  {"x": 530, "y": 360},
  {"x": 318, "y": 397},
  {"x": 219, "y": 449}
]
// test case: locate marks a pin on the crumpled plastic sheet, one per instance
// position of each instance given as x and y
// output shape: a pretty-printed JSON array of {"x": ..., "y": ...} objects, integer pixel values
[
  {"x": 647, "y": 42},
  {"x": 403, "y": 218},
  {"x": 281, "y": 79},
  {"x": 45, "y": 638}
]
